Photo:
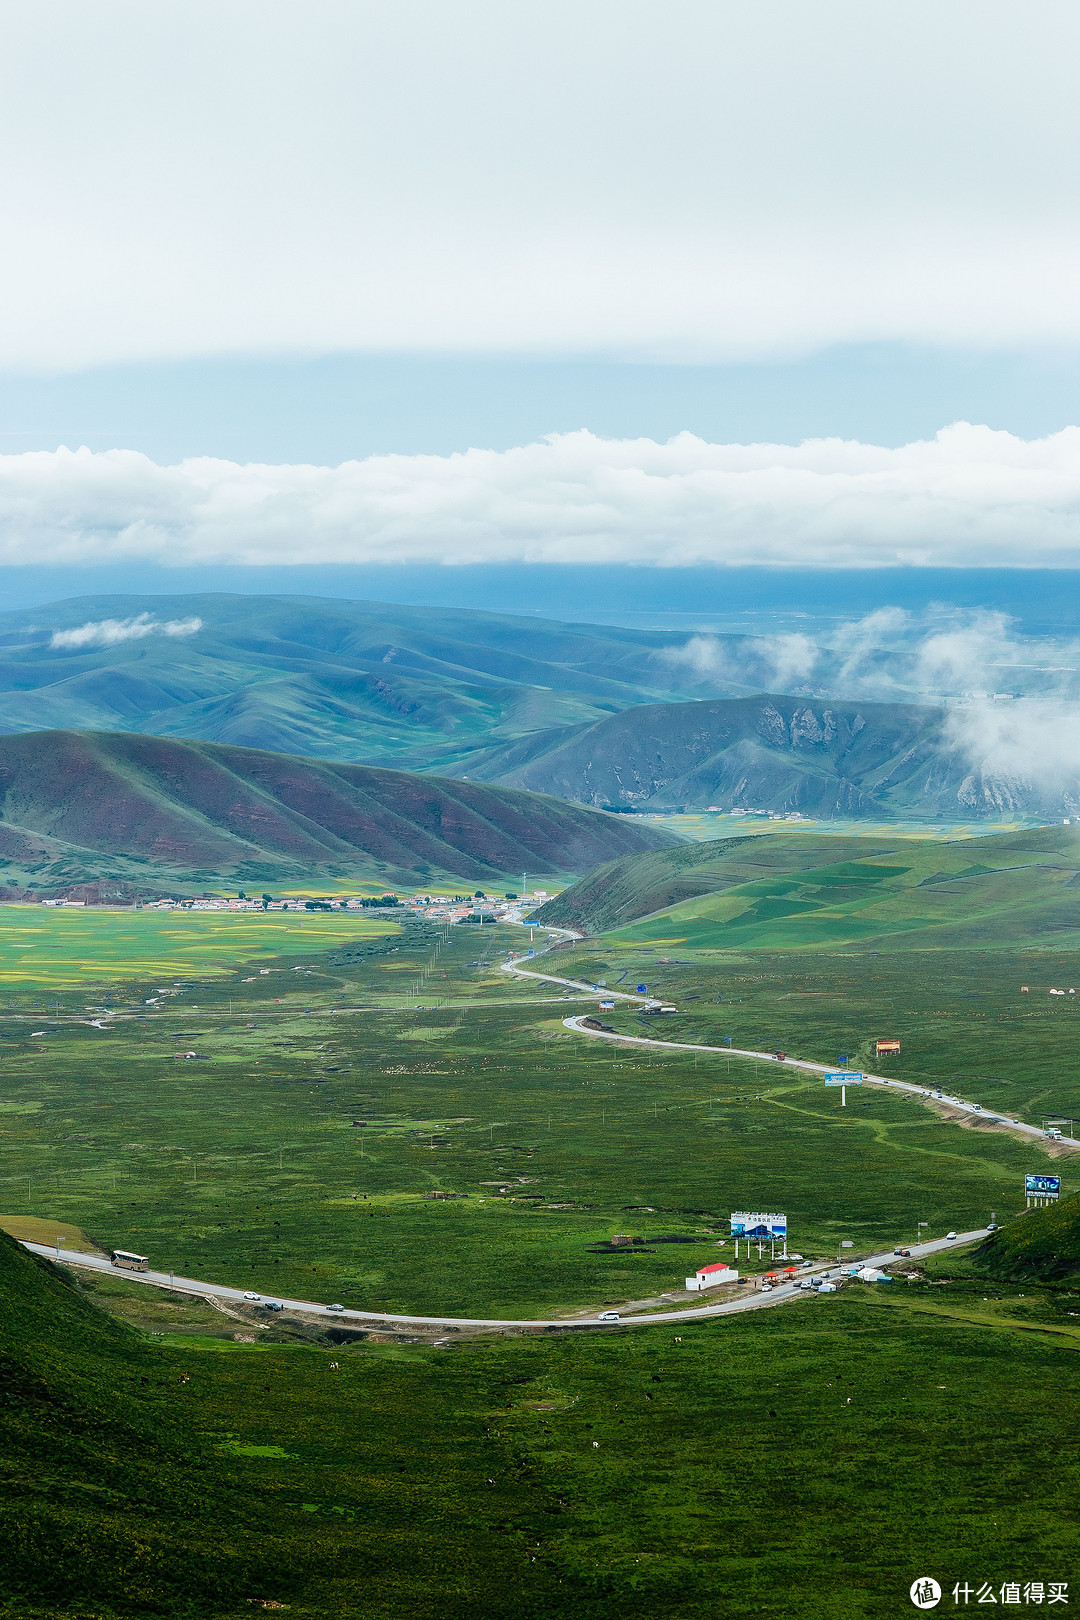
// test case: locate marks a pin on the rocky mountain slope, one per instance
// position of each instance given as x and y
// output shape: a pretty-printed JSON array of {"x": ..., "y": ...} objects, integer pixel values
[{"x": 771, "y": 752}]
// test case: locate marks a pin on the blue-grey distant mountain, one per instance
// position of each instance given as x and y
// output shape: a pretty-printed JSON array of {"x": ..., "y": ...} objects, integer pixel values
[
  {"x": 417, "y": 688},
  {"x": 772, "y": 752}
]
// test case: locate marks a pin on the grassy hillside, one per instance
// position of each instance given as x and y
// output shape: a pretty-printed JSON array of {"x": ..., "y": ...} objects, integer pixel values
[
  {"x": 76, "y": 805},
  {"x": 544, "y": 1479},
  {"x": 417, "y": 688},
  {"x": 1043, "y": 1243},
  {"x": 820, "y": 757},
  {"x": 634, "y": 886},
  {"x": 142, "y": 1480},
  {"x": 173, "y": 1471},
  {"x": 799, "y": 890}
]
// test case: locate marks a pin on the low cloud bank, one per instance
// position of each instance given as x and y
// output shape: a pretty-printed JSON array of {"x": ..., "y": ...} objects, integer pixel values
[
  {"x": 969, "y": 497},
  {"x": 1012, "y": 710},
  {"x": 111, "y": 632},
  {"x": 1033, "y": 744},
  {"x": 893, "y": 655}
]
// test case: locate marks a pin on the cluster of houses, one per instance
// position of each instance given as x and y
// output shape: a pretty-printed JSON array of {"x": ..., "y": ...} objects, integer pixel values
[{"x": 448, "y": 907}]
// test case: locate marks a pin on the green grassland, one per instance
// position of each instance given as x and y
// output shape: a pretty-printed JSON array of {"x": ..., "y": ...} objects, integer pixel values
[
  {"x": 1045, "y": 1243},
  {"x": 810, "y": 1462},
  {"x": 330, "y": 1097},
  {"x": 807, "y": 1461},
  {"x": 703, "y": 826},
  {"x": 792, "y": 891},
  {"x": 61, "y": 948},
  {"x": 963, "y": 1021}
]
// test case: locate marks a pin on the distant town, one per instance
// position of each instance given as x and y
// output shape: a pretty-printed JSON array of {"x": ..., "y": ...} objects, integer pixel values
[{"x": 477, "y": 907}]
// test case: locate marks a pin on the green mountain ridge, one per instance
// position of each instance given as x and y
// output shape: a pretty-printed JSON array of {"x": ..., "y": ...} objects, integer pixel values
[
  {"x": 783, "y": 890},
  {"x": 76, "y": 806},
  {"x": 416, "y": 688}
]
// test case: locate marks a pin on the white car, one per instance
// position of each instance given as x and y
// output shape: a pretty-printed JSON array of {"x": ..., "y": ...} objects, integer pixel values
[
  {"x": 608, "y": 1316},
  {"x": 335, "y": 1307},
  {"x": 253, "y": 1296},
  {"x": 950, "y": 1237}
]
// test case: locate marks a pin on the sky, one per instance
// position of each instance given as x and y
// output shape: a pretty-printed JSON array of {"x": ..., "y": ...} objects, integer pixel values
[{"x": 398, "y": 283}]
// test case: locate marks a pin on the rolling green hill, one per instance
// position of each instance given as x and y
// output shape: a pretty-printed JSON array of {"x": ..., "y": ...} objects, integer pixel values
[
  {"x": 79, "y": 806},
  {"x": 785, "y": 890},
  {"x": 1040, "y": 1243},
  {"x": 418, "y": 688},
  {"x": 820, "y": 757}
]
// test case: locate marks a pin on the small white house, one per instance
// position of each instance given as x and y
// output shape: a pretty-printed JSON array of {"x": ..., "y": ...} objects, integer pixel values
[{"x": 711, "y": 1277}]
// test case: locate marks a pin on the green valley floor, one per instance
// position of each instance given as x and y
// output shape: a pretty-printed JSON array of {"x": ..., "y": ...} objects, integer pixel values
[{"x": 811, "y": 1460}]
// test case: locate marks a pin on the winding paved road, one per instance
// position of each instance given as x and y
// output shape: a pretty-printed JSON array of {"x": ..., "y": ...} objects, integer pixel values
[
  {"x": 756, "y": 1300},
  {"x": 927, "y": 1093},
  {"x": 379, "y": 1319}
]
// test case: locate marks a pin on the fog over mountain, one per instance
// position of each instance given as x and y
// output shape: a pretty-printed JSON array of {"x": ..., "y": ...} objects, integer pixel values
[
  {"x": 937, "y": 712},
  {"x": 820, "y": 758}
]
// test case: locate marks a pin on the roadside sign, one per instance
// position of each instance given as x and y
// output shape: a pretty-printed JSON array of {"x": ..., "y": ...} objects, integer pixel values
[
  {"x": 844, "y": 1078},
  {"x": 642, "y": 990},
  {"x": 881, "y": 1047},
  {"x": 754, "y": 1224},
  {"x": 1042, "y": 1186}
]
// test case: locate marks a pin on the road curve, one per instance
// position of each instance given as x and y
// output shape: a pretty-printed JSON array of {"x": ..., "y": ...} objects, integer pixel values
[
  {"x": 783, "y": 1294},
  {"x": 927, "y": 1093},
  {"x": 381, "y": 1319}
]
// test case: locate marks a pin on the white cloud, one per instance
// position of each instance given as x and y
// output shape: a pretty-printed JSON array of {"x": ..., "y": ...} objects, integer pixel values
[
  {"x": 790, "y": 657},
  {"x": 111, "y": 632},
  {"x": 969, "y": 497},
  {"x": 771, "y": 661},
  {"x": 710, "y": 180},
  {"x": 1031, "y": 743}
]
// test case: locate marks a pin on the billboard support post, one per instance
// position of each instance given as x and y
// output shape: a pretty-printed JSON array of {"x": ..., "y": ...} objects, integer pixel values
[{"x": 844, "y": 1078}]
